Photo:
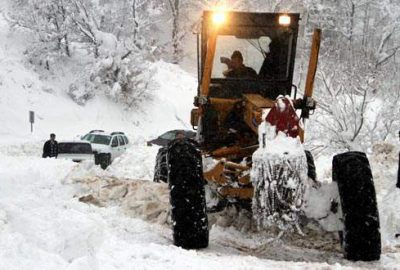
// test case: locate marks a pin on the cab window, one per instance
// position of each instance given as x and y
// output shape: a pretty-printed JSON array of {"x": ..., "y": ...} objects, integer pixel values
[
  {"x": 121, "y": 141},
  {"x": 114, "y": 142},
  {"x": 252, "y": 50},
  {"x": 267, "y": 52}
]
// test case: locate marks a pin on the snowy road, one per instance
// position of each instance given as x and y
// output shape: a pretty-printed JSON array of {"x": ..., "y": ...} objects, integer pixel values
[{"x": 43, "y": 225}]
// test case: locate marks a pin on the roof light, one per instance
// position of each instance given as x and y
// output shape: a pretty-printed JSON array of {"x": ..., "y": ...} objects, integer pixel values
[
  {"x": 284, "y": 20},
  {"x": 219, "y": 18}
]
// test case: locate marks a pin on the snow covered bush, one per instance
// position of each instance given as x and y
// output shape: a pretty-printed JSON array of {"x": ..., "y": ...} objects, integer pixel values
[
  {"x": 357, "y": 83},
  {"x": 356, "y": 106},
  {"x": 80, "y": 93},
  {"x": 124, "y": 80}
]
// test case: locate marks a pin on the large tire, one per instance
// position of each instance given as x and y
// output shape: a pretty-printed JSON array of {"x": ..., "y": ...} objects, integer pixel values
[
  {"x": 311, "y": 166},
  {"x": 161, "y": 167},
  {"x": 361, "y": 235},
  {"x": 187, "y": 196}
]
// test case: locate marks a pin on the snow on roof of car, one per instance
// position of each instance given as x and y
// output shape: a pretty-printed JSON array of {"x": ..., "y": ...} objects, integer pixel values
[
  {"x": 106, "y": 133},
  {"x": 73, "y": 141}
]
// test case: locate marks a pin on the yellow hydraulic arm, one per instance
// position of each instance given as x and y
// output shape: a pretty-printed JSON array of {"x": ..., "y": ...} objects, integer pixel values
[{"x": 312, "y": 69}]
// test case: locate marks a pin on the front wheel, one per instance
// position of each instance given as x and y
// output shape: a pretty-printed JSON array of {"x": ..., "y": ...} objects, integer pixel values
[
  {"x": 187, "y": 195},
  {"x": 361, "y": 235},
  {"x": 104, "y": 160}
]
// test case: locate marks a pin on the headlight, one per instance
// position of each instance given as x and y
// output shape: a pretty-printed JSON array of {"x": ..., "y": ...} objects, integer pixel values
[
  {"x": 219, "y": 18},
  {"x": 284, "y": 20}
]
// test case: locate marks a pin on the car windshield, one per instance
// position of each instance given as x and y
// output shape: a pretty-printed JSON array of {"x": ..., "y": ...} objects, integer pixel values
[
  {"x": 74, "y": 148},
  {"x": 170, "y": 135},
  {"x": 97, "y": 139}
]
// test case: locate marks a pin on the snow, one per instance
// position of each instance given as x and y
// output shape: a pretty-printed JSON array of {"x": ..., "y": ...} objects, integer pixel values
[
  {"x": 108, "y": 43},
  {"x": 279, "y": 177},
  {"x": 44, "y": 226},
  {"x": 45, "y": 222}
]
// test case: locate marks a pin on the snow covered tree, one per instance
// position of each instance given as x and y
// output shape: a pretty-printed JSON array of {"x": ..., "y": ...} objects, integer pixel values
[
  {"x": 50, "y": 21},
  {"x": 357, "y": 79},
  {"x": 134, "y": 23},
  {"x": 360, "y": 45},
  {"x": 177, "y": 34},
  {"x": 86, "y": 23},
  {"x": 125, "y": 80}
]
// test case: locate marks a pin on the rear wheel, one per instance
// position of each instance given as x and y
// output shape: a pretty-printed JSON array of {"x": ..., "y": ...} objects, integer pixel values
[
  {"x": 187, "y": 197},
  {"x": 104, "y": 160},
  {"x": 361, "y": 235},
  {"x": 161, "y": 167}
]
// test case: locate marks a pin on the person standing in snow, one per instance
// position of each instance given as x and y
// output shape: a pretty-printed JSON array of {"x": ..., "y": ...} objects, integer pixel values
[{"x": 50, "y": 148}]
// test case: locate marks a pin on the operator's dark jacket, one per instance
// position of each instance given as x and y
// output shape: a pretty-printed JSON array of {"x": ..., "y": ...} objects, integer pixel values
[
  {"x": 50, "y": 149},
  {"x": 241, "y": 72}
]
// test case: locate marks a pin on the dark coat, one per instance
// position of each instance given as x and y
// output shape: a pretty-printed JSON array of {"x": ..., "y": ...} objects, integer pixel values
[
  {"x": 50, "y": 149},
  {"x": 242, "y": 72}
]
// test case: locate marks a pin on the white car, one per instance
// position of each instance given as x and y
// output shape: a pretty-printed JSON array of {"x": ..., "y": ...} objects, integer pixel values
[
  {"x": 75, "y": 150},
  {"x": 106, "y": 146}
]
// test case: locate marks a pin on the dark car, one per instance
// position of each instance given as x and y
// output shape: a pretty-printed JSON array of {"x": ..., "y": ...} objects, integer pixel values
[{"x": 168, "y": 136}]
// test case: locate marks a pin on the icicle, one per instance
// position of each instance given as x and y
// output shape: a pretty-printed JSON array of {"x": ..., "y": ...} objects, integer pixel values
[{"x": 279, "y": 175}]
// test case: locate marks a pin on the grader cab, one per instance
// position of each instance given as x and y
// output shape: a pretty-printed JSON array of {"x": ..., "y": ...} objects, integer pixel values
[
  {"x": 230, "y": 108},
  {"x": 250, "y": 132}
]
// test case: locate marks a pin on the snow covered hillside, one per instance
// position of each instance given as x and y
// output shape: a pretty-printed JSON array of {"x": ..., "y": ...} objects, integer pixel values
[
  {"x": 23, "y": 90},
  {"x": 57, "y": 214}
]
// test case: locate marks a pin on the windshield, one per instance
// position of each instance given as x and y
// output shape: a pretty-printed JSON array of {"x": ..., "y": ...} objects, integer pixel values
[
  {"x": 97, "y": 139},
  {"x": 261, "y": 58},
  {"x": 74, "y": 148},
  {"x": 252, "y": 51}
]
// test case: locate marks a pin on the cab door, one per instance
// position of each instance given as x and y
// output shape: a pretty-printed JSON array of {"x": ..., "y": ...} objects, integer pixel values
[
  {"x": 114, "y": 148},
  {"x": 122, "y": 146}
]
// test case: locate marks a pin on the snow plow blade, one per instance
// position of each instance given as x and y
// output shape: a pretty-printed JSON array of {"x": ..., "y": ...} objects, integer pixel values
[{"x": 279, "y": 180}]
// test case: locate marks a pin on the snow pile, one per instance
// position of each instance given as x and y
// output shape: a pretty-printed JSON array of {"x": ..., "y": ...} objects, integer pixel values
[
  {"x": 40, "y": 231},
  {"x": 279, "y": 177},
  {"x": 144, "y": 199},
  {"x": 43, "y": 225},
  {"x": 319, "y": 201},
  {"x": 137, "y": 163},
  {"x": 384, "y": 164}
]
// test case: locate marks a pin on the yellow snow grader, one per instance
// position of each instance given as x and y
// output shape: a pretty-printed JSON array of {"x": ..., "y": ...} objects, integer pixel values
[{"x": 250, "y": 133}]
